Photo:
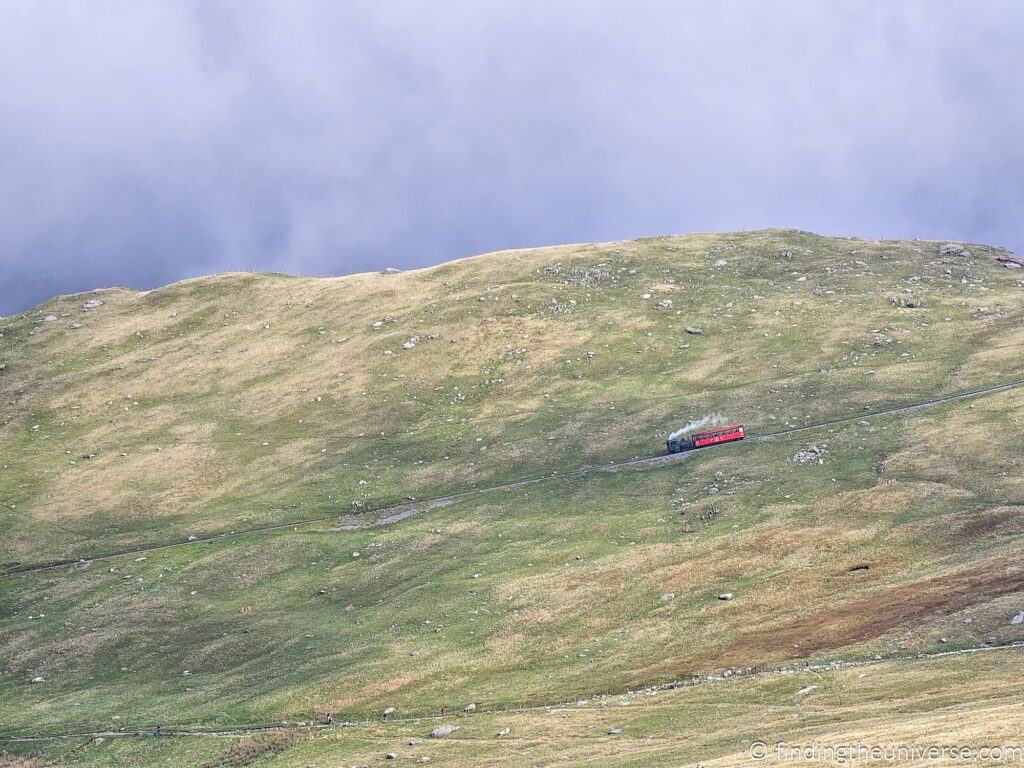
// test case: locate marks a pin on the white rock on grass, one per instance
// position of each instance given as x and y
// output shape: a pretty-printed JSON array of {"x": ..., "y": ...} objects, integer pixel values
[
  {"x": 1018, "y": 619},
  {"x": 694, "y": 330},
  {"x": 725, "y": 596},
  {"x": 443, "y": 730},
  {"x": 470, "y": 708},
  {"x": 92, "y": 304},
  {"x": 812, "y": 454}
]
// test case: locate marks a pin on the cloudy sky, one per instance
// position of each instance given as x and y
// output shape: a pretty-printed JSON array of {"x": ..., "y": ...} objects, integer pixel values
[{"x": 145, "y": 141}]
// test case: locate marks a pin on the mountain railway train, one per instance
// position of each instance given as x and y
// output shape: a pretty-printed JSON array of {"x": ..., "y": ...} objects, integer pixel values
[{"x": 704, "y": 439}]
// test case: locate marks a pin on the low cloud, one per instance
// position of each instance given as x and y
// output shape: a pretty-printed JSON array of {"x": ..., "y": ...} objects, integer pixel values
[{"x": 146, "y": 142}]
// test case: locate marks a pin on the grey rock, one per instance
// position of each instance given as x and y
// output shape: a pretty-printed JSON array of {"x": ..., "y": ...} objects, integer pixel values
[
  {"x": 951, "y": 249},
  {"x": 694, "y": 330},
  {"x": 50, "y": 319},
  {"x": 614, "y": 731},
  {"x": 470, "y": 708},
  {"x": 812, "y": 454},
  {"x": 1018, "y": 619},
  {"x": 725, "y": 596},
  {"x": 390, "y": 271},
  {"x": 92, "y": 304},
  {"x": 443, "y": 730}
]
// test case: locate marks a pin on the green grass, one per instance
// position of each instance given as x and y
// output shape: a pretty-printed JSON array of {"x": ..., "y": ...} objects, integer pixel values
[
  {"x": 538, "y": 594},
  {"x": 964, "y": 701}
]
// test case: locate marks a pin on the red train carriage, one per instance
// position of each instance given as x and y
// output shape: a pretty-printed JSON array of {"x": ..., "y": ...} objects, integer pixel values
[{"x": 704, "y": 439}]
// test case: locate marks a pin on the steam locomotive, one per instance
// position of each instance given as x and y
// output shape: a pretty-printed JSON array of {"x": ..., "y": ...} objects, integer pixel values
[{"x": 704, "y": 439}]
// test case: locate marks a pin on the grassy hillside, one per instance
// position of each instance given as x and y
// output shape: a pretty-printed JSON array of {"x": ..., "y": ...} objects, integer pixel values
[
  {"x": 949, "y": 702},
  {"x": 238, "y": 401}
]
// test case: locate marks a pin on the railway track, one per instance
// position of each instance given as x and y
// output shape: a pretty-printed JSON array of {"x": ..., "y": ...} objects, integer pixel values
[
  {"x": 228, "y": 731},
  {"x": 393, "y": 513}
]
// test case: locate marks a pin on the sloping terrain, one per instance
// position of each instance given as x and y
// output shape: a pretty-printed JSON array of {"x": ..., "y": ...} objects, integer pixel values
[
  {"x": 240, "y": 401},
  {"x": 946, "y": 704}
]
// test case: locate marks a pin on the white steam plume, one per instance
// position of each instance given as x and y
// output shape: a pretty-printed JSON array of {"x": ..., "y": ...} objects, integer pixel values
[{"x": 711, "y": 420}]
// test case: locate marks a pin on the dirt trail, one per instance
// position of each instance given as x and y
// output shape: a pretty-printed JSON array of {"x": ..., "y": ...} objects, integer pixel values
[
  {"x": 727, "y": 676},
  {"x": 396, "y": 512}
]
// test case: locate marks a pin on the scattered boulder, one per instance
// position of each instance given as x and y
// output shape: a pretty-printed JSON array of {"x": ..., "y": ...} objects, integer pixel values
[
  {"x": 50, "y": 319},
  {"x": 614, "y": 731},
  {"x": 38, "y": 680},
  {"x": 391, "y": 756},
  {"x": 953, "y": 249},
  {"x": 92, "y": 304},
  {"x": 1018, "y": 619},
  {"x": 812, "y": 454},
  {"x": 665, "y": 304},
  {"x": 694, "y": 330},
  {"x": 1010, "y": 260},
  {"x": 805, "y": 691},
  {"x": 443, "y": 730},
  {"x": 470, "y": 708},
  {"x": 390, "y": 271},
  {"x": 725, "y": 596},
  {"x": 905, "y": 301},
  {"x": 504, "y": 732}
]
